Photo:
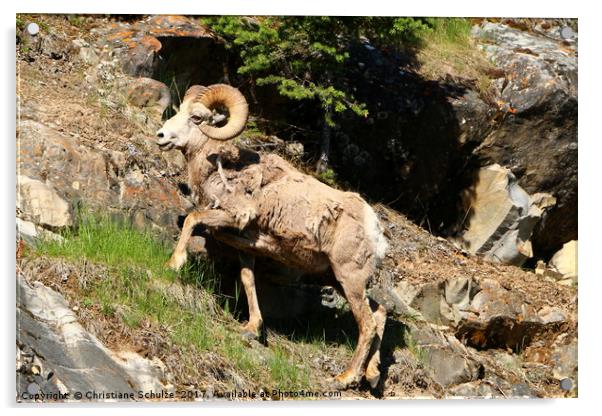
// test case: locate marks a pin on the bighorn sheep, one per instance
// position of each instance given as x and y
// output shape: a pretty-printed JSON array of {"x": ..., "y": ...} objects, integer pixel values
[{"x": 262, "y": 206}]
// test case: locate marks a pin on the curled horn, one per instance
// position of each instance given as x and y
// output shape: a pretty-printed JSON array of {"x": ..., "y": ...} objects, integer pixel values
[{"x": 234, "y": 101}]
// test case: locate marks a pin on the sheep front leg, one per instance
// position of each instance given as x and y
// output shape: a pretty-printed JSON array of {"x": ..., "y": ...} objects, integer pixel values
[
  {"x": 209, "y": 218},
  {"x": 252, "y": 330}
]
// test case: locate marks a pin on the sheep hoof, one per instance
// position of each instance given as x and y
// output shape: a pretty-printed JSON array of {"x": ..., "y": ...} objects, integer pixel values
[
  {"x": 176, "y": 262},
  {"x": 251, "y": 332},
  {"x": 249, "y": 336},
  {"x": 335, "y": 384},
  {"x": 372, "y": 371},
  {"x": 373, "y": 378},
  {"x": 343, "y": 381}
]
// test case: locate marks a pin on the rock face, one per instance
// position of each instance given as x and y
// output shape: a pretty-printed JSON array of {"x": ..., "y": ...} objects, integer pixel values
[
  {"x": 427, "y": 138},
  {"x": 501, "y": 216},
  {"x": 564, "y": 261},
  {"x": 414, "y": 149},
  {"x": 57, "y": 356},
  {"x": 483, "y": 314},
  {"x": 537, "y": 138},
  {"x": 110, "y": 180},
  {"x": 172, "y": 49},
  {"x": 457, "y": 328}
]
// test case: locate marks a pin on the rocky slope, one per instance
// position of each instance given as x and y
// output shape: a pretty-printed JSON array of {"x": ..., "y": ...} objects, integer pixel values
[
  {"x": 56, "y": 355},
  {"x": 460, "y": 325}
]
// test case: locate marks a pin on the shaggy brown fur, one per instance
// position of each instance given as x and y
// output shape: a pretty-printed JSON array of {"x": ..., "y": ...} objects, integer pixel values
[{"x": 283, "y": 214}]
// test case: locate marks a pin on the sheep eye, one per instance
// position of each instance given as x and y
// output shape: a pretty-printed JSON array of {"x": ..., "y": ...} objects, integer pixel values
[{"x": 196, "y": 119}]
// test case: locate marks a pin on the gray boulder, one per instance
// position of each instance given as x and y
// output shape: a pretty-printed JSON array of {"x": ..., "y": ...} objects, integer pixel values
[
  {"x": 57, "y": 358},
  {"x": 39, "y": 202},
  {"x": 482, "y": 314},
  {"x": 446, "y": 360},
  {"x": 564, "y": 358},
  {"x": 501, "y": 216}
]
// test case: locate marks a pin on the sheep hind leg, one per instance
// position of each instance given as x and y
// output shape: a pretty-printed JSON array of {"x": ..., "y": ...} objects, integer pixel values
[
  {"x": 210, "y": 218},
  {"x": 354, "y": 289},
  {"x": 372, "y": 370},
  {"x": 252, "y": 330}
]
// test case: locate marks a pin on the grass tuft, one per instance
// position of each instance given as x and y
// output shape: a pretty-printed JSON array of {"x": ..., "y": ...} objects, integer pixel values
[
  {"x": 110, "y": 241},
  {"x": 451, "y": 30},
  {"x": 285, "y": 373},
  {"x": 448, "y": 50},
  {"x": 415, "y": 349}
]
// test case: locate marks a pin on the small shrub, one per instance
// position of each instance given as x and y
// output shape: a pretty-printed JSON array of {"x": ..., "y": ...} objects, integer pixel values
[
  {"x": 328, "y": 177},
  {"x": 76, "y": 20}
]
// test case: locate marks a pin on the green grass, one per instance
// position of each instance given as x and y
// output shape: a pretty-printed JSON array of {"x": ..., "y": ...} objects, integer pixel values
[
  {"x": 284, "y": 372},
  {"x": 134, "y": 290},
  {"x": 237, "y": 353},
  {"x": 415, "y": 349},
  {"x": 20, "y": 22},
  {"x": 447, "y": 49},
  {"x": 451, "y": 30},
  {"x": 112, "y": 242},
  {"x": 23, "y": 18}
]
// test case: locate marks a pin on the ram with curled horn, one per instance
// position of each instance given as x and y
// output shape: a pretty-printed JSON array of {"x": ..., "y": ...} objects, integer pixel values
[{"x": 261, "y": 205}]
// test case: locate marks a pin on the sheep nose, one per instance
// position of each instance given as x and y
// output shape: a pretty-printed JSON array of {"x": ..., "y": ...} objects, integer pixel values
[{"x": 160, "y": 134}]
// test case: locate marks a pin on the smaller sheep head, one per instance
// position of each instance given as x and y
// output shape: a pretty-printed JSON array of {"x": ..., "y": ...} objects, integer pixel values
[{"x": 193, "y": 124}]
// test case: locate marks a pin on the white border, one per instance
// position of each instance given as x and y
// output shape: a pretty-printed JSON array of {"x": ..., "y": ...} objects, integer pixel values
[{"x": 589, "y": 159}]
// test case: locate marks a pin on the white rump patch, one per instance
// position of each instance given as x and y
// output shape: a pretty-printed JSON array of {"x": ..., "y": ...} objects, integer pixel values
[{"x": 374, "y": 233}]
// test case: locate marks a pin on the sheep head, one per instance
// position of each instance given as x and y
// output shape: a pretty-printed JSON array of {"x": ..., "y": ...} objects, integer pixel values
[{"x": 193, "y": 124}]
